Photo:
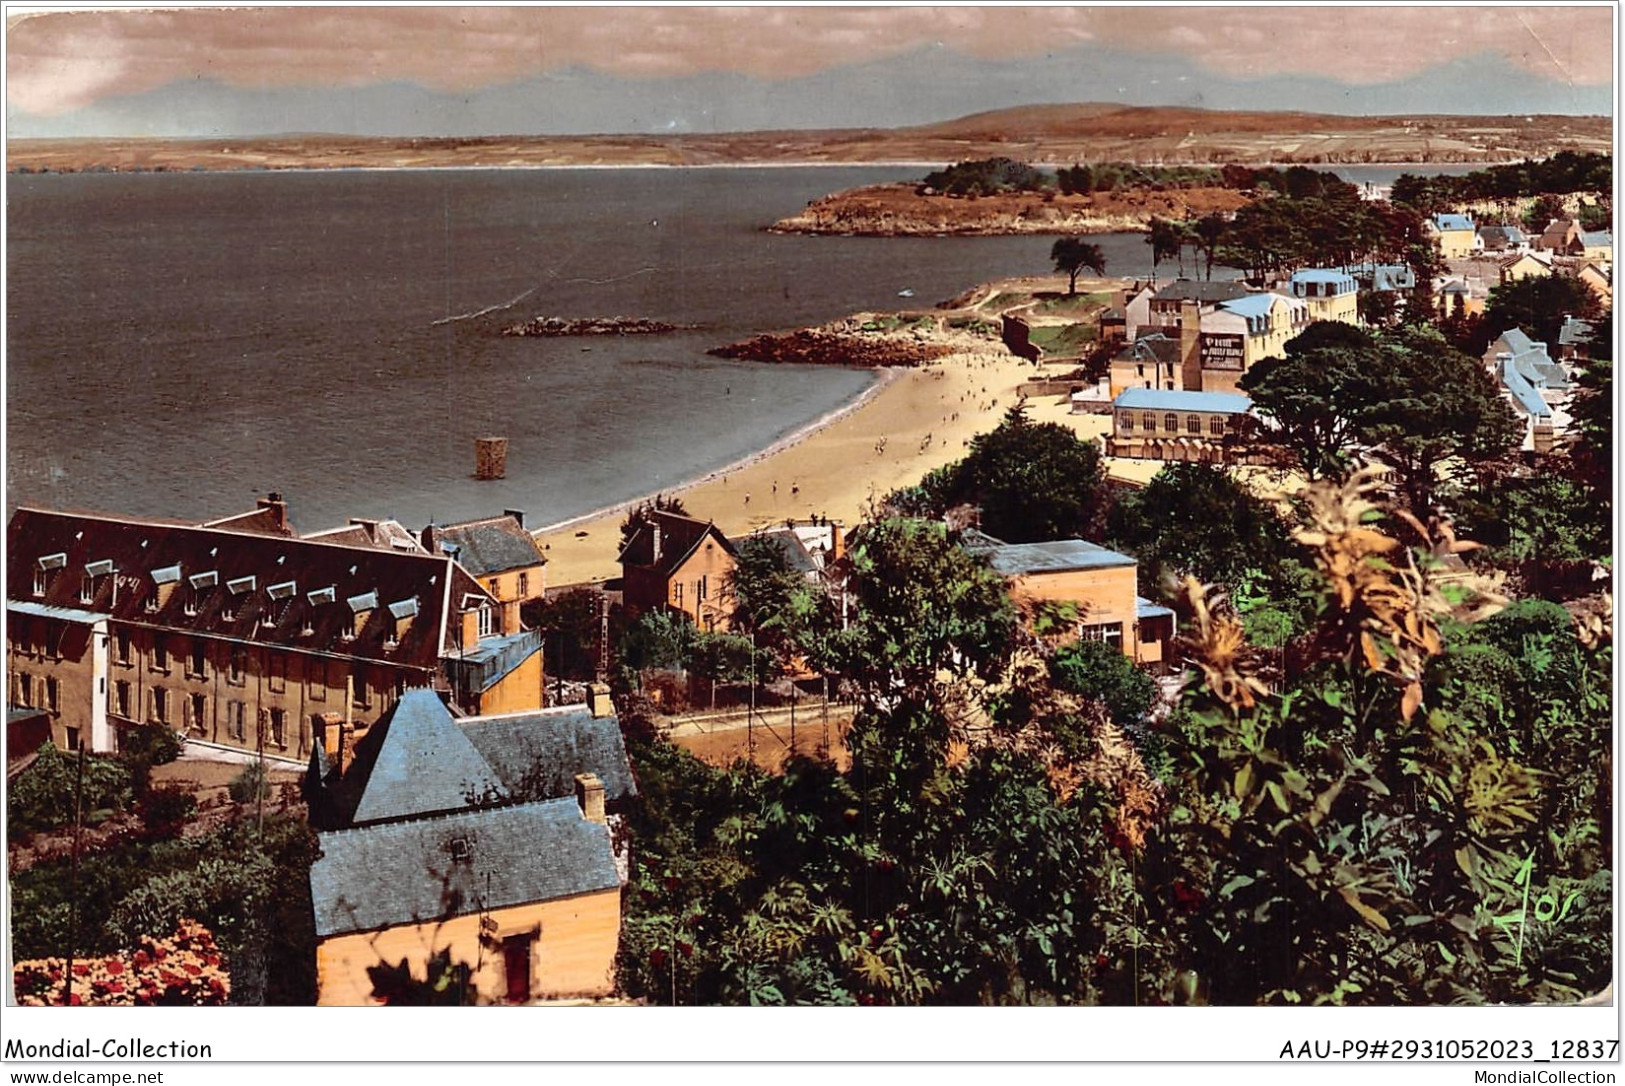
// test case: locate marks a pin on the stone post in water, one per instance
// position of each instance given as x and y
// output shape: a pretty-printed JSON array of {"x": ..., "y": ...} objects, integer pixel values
[{"x": 490, "y": 457}]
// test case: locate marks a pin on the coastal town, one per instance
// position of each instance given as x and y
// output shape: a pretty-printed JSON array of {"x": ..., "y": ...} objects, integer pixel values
[{"x": 1120, "y": 625}]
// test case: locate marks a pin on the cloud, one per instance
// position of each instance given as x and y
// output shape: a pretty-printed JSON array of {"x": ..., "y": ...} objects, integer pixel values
[{"x": 59, "y": 62}]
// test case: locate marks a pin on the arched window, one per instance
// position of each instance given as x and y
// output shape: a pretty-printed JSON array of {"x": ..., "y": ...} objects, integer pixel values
[
  {"x": 1193, "y": 424},
  {"x": 1126, "y": 422},
  {"x": 1150, "y": 421},
  {"x": 1215, "y": 425},
  {"x": 1170, "y": 422}
]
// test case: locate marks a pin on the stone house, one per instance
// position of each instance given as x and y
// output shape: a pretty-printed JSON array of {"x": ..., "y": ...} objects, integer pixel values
[
  {"x": 1159, "y": 424},
  {"x": 679, "y": 564},
  {"x": 513, "y": 864}
]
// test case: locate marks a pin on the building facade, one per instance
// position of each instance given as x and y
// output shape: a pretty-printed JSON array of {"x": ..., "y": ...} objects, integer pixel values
[
  {"x": 1157, "y": 424},
  {"x": 242, "y": 639},
  {"x": 679, "y": 564}
]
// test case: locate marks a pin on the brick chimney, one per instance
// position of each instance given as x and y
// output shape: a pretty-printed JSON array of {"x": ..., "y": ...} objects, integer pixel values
[
  {"x": 273, "y": 504},
  {"x": 590, "y": 794},
  {"x": 1190, "y": 339},
  {"x": 598, "y": 700}
]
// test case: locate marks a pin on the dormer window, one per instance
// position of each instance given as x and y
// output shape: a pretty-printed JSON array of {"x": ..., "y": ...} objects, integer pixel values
[
  {"x": 91, "y": 586},
  {"x": 42, "y": 571},
  {"x": 321, "y": 596},
  {"x": 163, "y": 586}
]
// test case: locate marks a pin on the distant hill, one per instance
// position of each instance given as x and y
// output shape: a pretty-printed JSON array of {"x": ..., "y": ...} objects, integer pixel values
[{"x": 1056, "y": 134}]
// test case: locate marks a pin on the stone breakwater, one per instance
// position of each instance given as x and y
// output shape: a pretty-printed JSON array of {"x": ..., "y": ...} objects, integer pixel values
[
  {"x": 816, "y": 347},
  {"x": 593, "y": 326}
]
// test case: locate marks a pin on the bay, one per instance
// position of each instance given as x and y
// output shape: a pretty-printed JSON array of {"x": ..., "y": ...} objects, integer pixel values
[{"x": 178, "y": 344}]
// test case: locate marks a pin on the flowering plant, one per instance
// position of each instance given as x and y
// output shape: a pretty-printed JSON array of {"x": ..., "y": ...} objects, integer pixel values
[{"x": 183, "y": 969}]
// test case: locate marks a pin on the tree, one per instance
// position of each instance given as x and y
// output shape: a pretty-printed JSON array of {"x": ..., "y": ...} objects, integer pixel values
[
  {"x": 1593, "y": 412},
  {"x": 570, "y": 623},
  {"x": 1033, "y": 481},
  {"x": 1312, "y": 395},
  {"x": 788, "y": 613},
  {"x": 1432, "y": 404},
  {"x": 1167, "y": 239},
  {"x": 1207, "y": 234},
  {"x": 1545, "y": 209},
  {"x": 1101, "y": 671},
  {"x": 1072, "y": 255},
  {"x": 924, "y": 608},
  {"x": 638, "y": 516},
  {"x": 1196, "y": 520}
]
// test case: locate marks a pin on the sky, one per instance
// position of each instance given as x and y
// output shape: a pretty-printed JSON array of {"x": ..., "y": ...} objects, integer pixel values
[{"x": 436, "y": 70}]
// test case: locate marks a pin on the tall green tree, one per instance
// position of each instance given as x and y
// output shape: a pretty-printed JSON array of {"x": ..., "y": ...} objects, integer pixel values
[
  {"x": 1033, "y": 481},
  {"x": 1073, "y": 255},
  {"x": 1313, "y": 395}
]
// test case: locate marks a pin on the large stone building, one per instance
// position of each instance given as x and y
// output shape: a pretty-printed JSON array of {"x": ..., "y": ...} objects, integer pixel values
[
  {"x": 1159, "y": 424},
  {"x": 248, "y": 639}
]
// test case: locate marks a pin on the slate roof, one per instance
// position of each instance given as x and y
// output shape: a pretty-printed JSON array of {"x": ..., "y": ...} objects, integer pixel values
[
  {"x": 679, "y": 536},
  {"x": 1385, "y": 276},
  {"x": 1151, "y": 347},
  {"x": 1058, "y": 556},
  {"x": 1332, "y": 276},
  {"x": 415, "y": 761},
  {"x": 1574, "y": 332},
  {"x": 484, "y": 547},
  {"x": 1453, "y": 222},
  {"x": 1198, "y": 290},
  {"x": 493, "y": 659},
  {"x": 1157, "y": 399},
  {"x": 1502, "y": 236},
  {"x": 1144, "y": 608},
  {"x": 362, "y": 532},
  {"x": 789, "y": 544},
  {"x": 1594, "y": 239},
  {"x": 1254, "y": 305},
  {"x": 538, "y": 755},
  {"x": 1525, "y": 394},
  {"x": 377, "y": 877},
  {"x": 236, "y": 603}
]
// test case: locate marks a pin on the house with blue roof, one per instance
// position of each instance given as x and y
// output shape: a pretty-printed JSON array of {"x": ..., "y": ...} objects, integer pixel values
[
  {"x": 1332, "y": 294},
  {"x": 1242, "y": 331},
  {"x": 497, "y": 839},
  {"x": 1085, "y": 591},
  {"x": 1455, "y": 236},
  {"x": 1162, "y": 424},
  {"x": 1537, "y": 388},
  {"x": 1597, "y": 245}
]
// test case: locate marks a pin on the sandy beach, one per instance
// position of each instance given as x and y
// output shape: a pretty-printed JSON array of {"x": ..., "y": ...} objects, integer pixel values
[{"x": 912, "y": 421}]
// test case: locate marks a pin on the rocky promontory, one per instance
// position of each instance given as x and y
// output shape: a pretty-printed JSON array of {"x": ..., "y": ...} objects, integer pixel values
[
  {"x": 822, "y": 347},
  {"x": 906, "y": 210},
  {"x": 592, "y": 326}
]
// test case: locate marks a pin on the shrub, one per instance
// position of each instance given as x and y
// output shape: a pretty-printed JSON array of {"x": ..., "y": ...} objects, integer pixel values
[
  {"x": 42, "y": 796},
  {"x": 165, "y": 810},
  {"x": 249, "y": 785}
]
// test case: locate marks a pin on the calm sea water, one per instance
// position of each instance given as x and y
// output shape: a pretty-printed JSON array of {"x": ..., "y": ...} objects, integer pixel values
[{"x": 179, "y": 343}]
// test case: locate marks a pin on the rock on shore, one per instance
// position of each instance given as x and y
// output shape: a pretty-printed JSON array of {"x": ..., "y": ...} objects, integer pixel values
[
  {"x": 816, "y": 347},
  {"x": 591, "y": 326}
]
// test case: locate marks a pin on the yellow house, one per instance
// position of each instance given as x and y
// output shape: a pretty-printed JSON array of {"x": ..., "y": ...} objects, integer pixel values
[
  {"x": 1331, "y": 295},
  {"x": 1455, "y": 236},
  {"x": 454, "y": 835},
  {"x": 1097, "y": 583},
  {"x": 1241, "y": 332},
  {"x": 500, "y": 554},
  {"x": 1159, "y": 424},
  {"x": 527, "y": 896},
  {"x": 1597, "y": 245},
  {"x": 1524, "y": 266}
]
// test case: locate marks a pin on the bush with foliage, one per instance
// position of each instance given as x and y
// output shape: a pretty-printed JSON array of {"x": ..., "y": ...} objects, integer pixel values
[{"x": 41, "y": 797}]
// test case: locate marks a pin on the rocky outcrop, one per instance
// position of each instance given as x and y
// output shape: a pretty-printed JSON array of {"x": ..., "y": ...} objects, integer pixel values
[
  {"x": 592, "y": 326},
  {"x": 815, "y": 347},
  {"x": 902, "y": 210}
]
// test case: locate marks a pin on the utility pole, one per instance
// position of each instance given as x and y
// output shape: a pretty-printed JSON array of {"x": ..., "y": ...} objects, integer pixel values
[{"x": 73, "y": 875}]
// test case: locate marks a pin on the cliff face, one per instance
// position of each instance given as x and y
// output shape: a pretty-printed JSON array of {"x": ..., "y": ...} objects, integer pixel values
[{"x": 899, "y": 210}]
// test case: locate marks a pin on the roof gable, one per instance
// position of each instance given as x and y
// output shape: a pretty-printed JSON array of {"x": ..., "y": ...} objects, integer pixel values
[
  {"x": 484, "y": 547},
  {"x": 678, "y": 536},
  {"x": 415, "y": 761}
]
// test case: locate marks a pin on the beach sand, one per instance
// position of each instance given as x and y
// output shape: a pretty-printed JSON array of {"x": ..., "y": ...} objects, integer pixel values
[{"x": 913, "y": 421}]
